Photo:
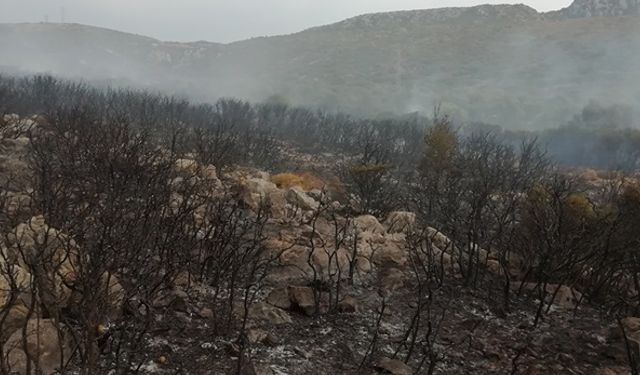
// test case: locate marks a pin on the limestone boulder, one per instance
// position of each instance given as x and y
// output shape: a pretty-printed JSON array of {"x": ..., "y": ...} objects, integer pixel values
[
  {"x": 261, "y": 336},
  {"x": 494, "y": 267},
  {"x": 46, "y": 348},
  {"x": 368, "y": 223},
  {"x": 17, "y": 203},
  {"x": 209, "y": 173},
  {"x": 257, "y": 192},
  {"x": 15, "y": 299},
  {"x": 49, "y": 255},
  {"x": 298, "y": 198},
  {"x": 439, "y": 240},
  {"x": 349, "y": 304},
  {"x": 298, "y": 298},
  {"x": 303, "y": 299},
  {"x": 298, "y": 263},
  {"x": 186, "y": 167},
  {"x": 390, "y": 253},
  {"x": 263, "y": 312},
  {"x": 400, "y": 221},
  {"x": 391, "y": 279},
  {"x": 279, "y": 298}
]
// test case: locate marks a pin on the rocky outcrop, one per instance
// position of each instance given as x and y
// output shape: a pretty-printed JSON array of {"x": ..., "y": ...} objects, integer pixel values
[
  {"x": 40, "y": 276},
  {"x": 400, "y": 221},
  {"x": 17, "y": 203},
  {"x": 42, "y": 345},
  {"x": 186, "y": 167},
  {"x": 369, "y": 223},
  {"x": 303, "y": 299},
  {"x": 257, "y": 192},
  {"x": 391, "y": 279},
  {"x": 300, "y": 262},
  {"x": 298, "y": 198},
  {"x": 390, "y": 251},
  {"x": 15, "y": 301},
  {"x": 49, "y": 255},
  {"x": 190, "y": 168}
]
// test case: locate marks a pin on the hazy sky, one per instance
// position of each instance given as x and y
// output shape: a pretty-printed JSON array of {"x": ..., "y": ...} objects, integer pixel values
[{"x": 219, "y": 20}]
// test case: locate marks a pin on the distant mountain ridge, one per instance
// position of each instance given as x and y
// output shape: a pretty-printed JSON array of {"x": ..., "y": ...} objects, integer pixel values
[
  {"x": 503, "y": 64},
  {"x": 477, "y": 13},
  {"x": 600, "y": 8}
]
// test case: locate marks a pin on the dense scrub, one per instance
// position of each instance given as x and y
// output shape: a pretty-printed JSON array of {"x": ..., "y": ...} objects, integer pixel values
[
  {"x": 598, "y": 137},
  {"x": 229, "y": 131}
]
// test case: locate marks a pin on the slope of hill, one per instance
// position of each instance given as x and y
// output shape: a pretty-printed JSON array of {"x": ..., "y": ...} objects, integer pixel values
[
  {"x": 93, "y": 53},
  {"x": 504, "y": 64}
]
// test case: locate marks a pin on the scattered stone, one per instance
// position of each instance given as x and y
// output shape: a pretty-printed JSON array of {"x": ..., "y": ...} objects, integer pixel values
[
  {"x": 348, "y": 305},
  {"x": 280, "y": 298},
  {"x": 612, "y": 371},
  {"x": 565, "y": 297},
  {"x": 302, "y": 353},
  {"x": 494, "y": 267},
  {"x": 391, "y": 280},
  {"x": 256, "y": 335},
  {"x": 492, "y": 356},
  {"x": 261, "y": 336},
  {"x": 206, "y": 313},
  {"x": 270, "y": 340},
  {"x": 183, "y": 280},
  {"x": 393, "y": 366},
  {"x": 303, "y": 298},
  {"x": 264, "y": 312},
  {"x": 173, "y": 299}
]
